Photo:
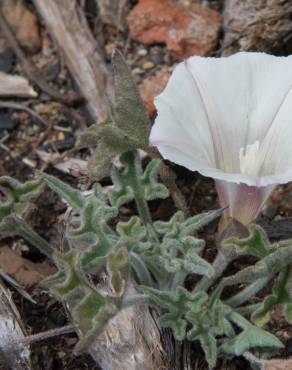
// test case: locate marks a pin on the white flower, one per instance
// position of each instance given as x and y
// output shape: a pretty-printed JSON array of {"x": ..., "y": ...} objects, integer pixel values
[{"x": 230, "y": 119}]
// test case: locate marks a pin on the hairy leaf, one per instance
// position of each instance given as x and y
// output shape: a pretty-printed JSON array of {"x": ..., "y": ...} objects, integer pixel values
[
  {"x": 179, "y": 227},
  {"x": 126, "y": 128},
  {"x": 279, "y": 295},
  {"x": 118, "y": 268},
  {"x": 131, "y": 183},
  {"x": 177, "y": 303},
  {"x": 257, "y": 243},
  {"x": 72, "y": 196},
  {"x": 250, "y": 337}
]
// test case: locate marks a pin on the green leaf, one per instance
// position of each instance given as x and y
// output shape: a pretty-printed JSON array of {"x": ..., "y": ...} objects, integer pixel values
[
  {"x": 279, "y": 296},
  {"x": 130, "y": 113},
  {"x": 126, "y": 128},
  {"x": 248, "y": 292},
  {"x": 250, "y": 337},
  {"x": 177, "y": 303},
  {"x": 133, "y": 228},
  {"x": 257, "y": 243},
  {"x": 131, "y": 183},
  {"x": 208, "y": 343},
  {"x": 104, "y": 314},
  {"x": 207, "y": 323},
  {"x": 266, "y": 267},
  {"x": 182, "y": 255},
  {"x": 19, "y": 192},
  {"x": 91, "y": 230},
  {"x": 118, "y": 268},
  {"x": 178, "y": 226},
  {"x": 177, "y": 324},
  {"x": 72, "y": 196},
  {"x": 107, "y": 149},
  {"x": 17, "y": 196}
]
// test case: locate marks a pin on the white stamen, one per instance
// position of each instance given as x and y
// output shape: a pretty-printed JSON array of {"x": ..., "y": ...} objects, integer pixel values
[{"x": 248, "y": 158}]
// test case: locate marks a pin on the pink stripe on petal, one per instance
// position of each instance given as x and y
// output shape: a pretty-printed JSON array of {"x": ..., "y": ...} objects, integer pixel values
[{"x": 244, "y": 202}]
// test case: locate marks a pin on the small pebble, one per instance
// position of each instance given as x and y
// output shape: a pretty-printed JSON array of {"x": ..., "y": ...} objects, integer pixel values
[
  {"x": 148, "y": 65},
  {"x": 60, "y": 136},
  {"x": 137, "y": 71},
  {"x": 157, "y": 59},
  {"x": 142, "y": 52},
  {"x": 61, "y": 354}
]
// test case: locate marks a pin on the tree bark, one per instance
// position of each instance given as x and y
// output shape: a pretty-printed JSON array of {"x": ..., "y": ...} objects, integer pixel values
[
  {"x": 13, "y": 354},
  {"x": 261, "y": 25},
  {"x": 69, "y": 29}
]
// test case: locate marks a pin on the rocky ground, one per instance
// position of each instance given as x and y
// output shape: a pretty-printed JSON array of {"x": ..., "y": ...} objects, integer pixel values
[{"x": 39, "y": 132}]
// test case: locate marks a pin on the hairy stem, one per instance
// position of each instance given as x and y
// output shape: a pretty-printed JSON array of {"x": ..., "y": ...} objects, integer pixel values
[
  {"x": 141, "y": 203},
  {"x": 220, "y": 263},
  {"x": 168, "y": 177},
  {"x": 20, "y": 228},
  {"x": 135, "y": 299}
]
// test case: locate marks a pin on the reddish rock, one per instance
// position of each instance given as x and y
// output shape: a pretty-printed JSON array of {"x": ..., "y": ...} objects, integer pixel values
[
  {"x": 186, "y": 30},
  {"x": 151, "y": 87},
  {"x": 24, "y": 23}
]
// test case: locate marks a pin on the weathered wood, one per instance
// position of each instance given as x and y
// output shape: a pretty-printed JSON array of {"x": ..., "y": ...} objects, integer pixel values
[
  {"x": 13, "y": 354},
  {"x": 261, "y": 25},
  {"x": 68, "y": 27},
  {"x": 16, "y": 86},
  {"x": 131, "y": 341},
  {"x": 113, "y": 12}
]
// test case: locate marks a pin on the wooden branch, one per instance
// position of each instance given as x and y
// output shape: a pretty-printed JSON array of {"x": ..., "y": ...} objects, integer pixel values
[
  {"x": 68, "y": 27},
  {"x": 262, "y": 25},
  {"x": 29, "y": 68},
  {"x": 11, "y": 331},
  {"x": 16, "y": 86},
  {"x": 130, "y": 341}
]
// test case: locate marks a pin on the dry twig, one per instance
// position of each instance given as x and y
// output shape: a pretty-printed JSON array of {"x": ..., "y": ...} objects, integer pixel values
[{"x": 30, "y": 69}]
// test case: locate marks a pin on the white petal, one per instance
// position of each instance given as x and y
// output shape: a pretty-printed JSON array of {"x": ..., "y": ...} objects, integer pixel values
[
  {"x": 174, "y": 131},
  {"x": 212, "y": 107}
]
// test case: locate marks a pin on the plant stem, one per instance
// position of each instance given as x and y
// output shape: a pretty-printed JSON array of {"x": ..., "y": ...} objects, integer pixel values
[
  {"x": 141, "y": 203},
  {"x": 178, "y": 280},
  {"x": 247, "y": 310},
  {"x": 23, "y": 230},
  {"x": 220, "y": 263},
  {"x": 168, "y": 177},
  {"x": 255, "y": 360},
  {"x": 135, "y": 299}
]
